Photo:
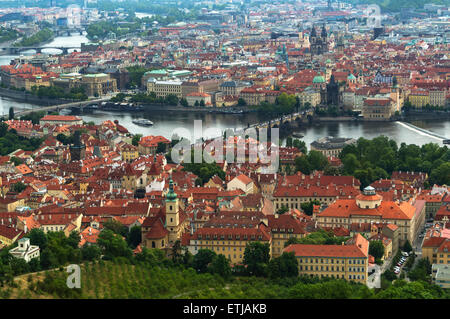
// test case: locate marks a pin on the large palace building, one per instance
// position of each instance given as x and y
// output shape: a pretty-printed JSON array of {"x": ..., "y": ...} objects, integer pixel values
[{"x": 369, "y": 207}]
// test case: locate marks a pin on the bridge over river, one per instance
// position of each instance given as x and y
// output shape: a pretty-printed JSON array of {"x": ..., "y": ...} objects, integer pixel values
[
  {"x": 18, "y": 50},
  {"x": 79, "y": 104}
]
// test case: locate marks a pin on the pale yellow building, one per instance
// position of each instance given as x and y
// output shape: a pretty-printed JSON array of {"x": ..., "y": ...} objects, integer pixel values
[{"x": 349, "y": 261}]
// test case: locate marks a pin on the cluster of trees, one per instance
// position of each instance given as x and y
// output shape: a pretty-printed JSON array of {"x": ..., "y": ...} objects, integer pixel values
[
  {"x": 370, "y": 160},
  {"x": 170, "y": 99},
  {"x": 284, "y": 104},
  {"x": 301, "y": 145},
  {"x": 68, "y": 140},
  {"x": 204, "y": 171},
  {"x": 34, "y": 117},
  {"x": 11, "y": 141},
  {"x": 8, "y": 34},
  {"x": 120, "y": 97},
  {"x": 39, "y": 37},
  {"x": 149, "y": 274},
  {"x": 54, "y": 92},
  {"x": 320, "y": 237},
  {"x": 311, "y": 161},
  {"x": 333, "y": 111},
  {"x": 308, "y": 208},
  {"x": 100, "y": 29},
  {"x": 398, "y": 5},
  {"x": 256, "y": 263},
  {"x": 376, "y": 249},
  {"x": 57, "y": 250},
  {"x": 135, "y": 73},
  {"x": 164, "y": 14},
  {"x": 18, "y": 187},
  {"x": 421, "y": 271},
  {"x": 407, "y": 106}
]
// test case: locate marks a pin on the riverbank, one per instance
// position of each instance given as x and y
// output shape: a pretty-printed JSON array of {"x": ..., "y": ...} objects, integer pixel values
[
  {"x": 196, "y": 109},
  {"x": 26, "y": 97},
  {"x": 435, "y": 115}
]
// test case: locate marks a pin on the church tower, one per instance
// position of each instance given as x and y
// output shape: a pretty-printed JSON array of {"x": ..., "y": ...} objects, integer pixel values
[
  {"x": 172, "y": 213},
  {"x": 318, "y": 43}
]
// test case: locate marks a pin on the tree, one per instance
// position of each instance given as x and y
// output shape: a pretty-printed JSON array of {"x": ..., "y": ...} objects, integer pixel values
[
  {"x": 308, "y": 208},
  {"x": 376, "y": 249},
  {"x": 161, "y": 148},
  {"x": 19, "y": 266},
  {"x": 407, "y": 246},
  {"x": 301, "y": 145},
  {"x": 116, "y": 227},
  {"x": 74, "y": 239},
  {"x": 90, "y": 252},
  {"x": 241, "y": 102},
  {"x": 220, "y": 265},
  {"x": 317, "y": 161},
  {"x": 113, "y": 245},
  {"x": 441, "y": 174},
  {"x": 134, "y": 236},
  {"x": 202, "y": 260},
  {"x": 17, "y": 161},
  {"x": 284, "y": 266},
  {"x": 289, "y": 141},
  {"x": 350, "y": 163},
  {"x": 135, "y": 140},
  {"x": 302, "y": 164},
  {"x": 11, "y": 113},
  {"x": 184, "y": 102},
  {"x": 18, "y": 187},
  {"x": 48, "y": 259},
  {"x": 202, "y": 103},
  {"x": 282, "y": 210},
  {"x": 38, "y": 238},
  {"x": 256, "y": 257}
]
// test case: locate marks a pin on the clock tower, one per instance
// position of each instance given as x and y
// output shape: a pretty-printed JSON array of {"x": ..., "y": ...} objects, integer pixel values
[{"x": 172, "y": 213}]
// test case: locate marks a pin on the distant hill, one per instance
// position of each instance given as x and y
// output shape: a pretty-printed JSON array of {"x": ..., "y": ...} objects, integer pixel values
[{"x": 397, "y": 5}]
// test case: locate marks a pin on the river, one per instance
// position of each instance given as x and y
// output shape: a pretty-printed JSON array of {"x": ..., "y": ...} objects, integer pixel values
[{"x": 165, "y": 123}]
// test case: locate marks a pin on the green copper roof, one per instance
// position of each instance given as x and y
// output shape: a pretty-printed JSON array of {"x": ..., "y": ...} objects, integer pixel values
[
  {"x": 171, "y": 195},
  {"x": 318, "y": 79}
]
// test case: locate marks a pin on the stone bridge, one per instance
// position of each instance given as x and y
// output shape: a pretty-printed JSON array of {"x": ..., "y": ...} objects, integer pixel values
[{"x": 17, "y": 50}]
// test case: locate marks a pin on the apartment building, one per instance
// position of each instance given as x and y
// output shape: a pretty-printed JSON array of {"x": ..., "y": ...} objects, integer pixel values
[
  {"x": 230, "y": 242},
  {"x": 349, "y": 261},
  {"x": 164, "y": 88},
  {"x": 437, "y": 250},
  {"x": 378, "y": 109}
]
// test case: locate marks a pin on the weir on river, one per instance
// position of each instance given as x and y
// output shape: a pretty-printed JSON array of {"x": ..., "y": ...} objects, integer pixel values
[{"x": 423, "y": 131}]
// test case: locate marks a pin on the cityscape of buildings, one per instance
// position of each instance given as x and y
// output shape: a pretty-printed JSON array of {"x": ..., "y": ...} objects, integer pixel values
[{"x": 323, "y": 55}]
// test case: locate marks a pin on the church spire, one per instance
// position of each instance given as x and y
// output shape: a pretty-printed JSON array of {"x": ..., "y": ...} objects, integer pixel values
[{"x": 171, "y": 195}]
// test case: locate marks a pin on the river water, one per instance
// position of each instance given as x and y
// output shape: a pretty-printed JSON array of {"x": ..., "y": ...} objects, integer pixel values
[{"x": 166, "y": 123}]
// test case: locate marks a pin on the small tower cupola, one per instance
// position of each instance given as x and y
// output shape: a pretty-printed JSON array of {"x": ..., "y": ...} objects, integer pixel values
[{"x": 369, "y": 199}]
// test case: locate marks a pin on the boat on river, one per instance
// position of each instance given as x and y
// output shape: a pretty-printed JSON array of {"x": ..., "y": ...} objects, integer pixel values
[{"x": 143, "y": 122}]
